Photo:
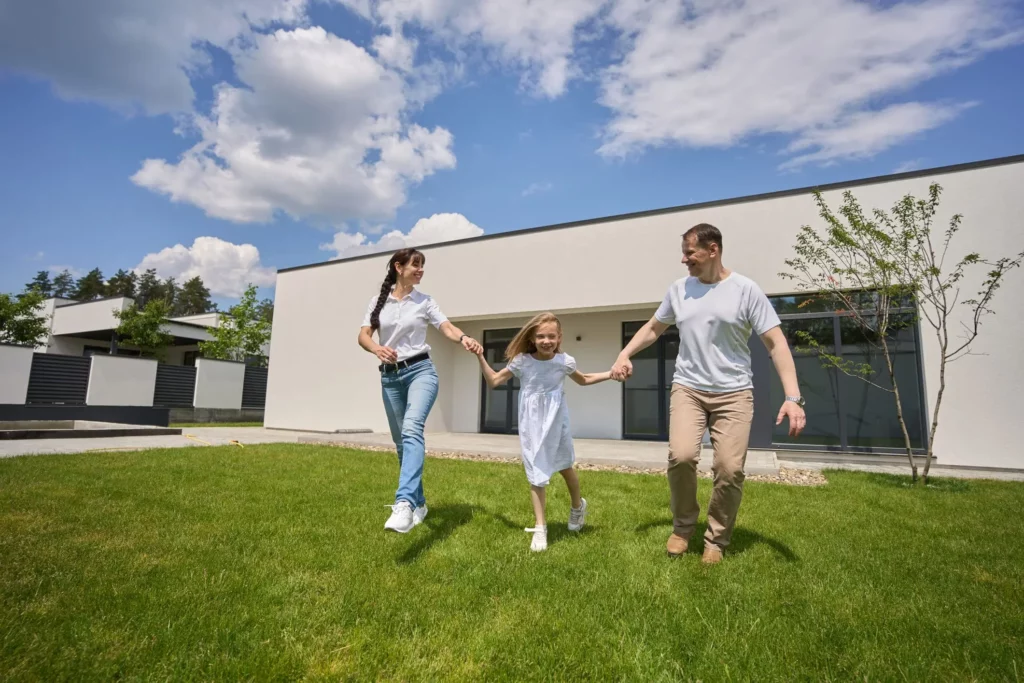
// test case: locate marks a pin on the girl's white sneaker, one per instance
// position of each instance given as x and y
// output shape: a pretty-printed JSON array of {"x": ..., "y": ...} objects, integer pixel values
[
  {"x": 540, "y": 538},
  {"x": 578, "y": 516}
]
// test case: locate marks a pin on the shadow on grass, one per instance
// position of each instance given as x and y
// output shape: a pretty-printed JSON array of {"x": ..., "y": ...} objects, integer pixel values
[
  {"x": 442, "y": 522},
  {"x": 742, "y": 539},
  {"x": 902, "y": 481}
]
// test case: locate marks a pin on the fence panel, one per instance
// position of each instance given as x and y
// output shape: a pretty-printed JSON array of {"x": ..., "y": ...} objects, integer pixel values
[
  {"x": 58, "y": 379},
  {"x": 254, "y": 388},
  {"x": 175, "y": 386}
]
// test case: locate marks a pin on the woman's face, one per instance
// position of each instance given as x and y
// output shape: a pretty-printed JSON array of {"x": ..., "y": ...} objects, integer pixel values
[{"x": 410, "y": 273}]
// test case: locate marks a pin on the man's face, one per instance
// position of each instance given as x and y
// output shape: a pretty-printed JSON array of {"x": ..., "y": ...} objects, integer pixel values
[{"x": 695, "y": 257}]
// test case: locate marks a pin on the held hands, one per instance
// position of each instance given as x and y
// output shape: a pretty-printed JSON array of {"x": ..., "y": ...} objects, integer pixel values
[
  {"x": 796, "y": 415},
  {"x": 386, "y": 354},
  {"x": 472, "y": 345},
  {"x": 622, "y": 370}
]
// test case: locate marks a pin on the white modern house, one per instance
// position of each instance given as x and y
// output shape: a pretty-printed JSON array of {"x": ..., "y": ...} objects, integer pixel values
[
  {"x": 605, "y": 277},
  {"x": 85, "y": 328}
]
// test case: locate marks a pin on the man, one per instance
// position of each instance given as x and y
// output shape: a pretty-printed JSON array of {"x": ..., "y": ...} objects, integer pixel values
[{"x": 715, "y": 310}]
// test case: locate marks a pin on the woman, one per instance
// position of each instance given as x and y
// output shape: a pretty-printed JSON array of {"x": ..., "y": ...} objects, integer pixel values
[{"x": 399, "y": 315}]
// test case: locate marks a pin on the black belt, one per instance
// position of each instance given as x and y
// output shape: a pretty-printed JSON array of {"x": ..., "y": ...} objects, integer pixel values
[{"x": 408, "y": 362}]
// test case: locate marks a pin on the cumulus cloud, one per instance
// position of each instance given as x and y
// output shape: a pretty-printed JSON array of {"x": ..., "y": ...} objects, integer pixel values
[
  {"x": 128, "y": 53},
  {"x": 537, "y": 188},
  {"x": 441, "y": 227},
  {"x": 226, "y": 268},
  {"x": 706, "y": 74},
  {"x": 316, "y": 131}
]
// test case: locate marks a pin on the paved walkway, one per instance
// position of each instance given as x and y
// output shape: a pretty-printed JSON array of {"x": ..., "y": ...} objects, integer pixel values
[{"x": 640, "y": 454}]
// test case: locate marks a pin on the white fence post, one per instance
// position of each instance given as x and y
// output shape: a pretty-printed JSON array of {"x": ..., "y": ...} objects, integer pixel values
[
  {"x": 15, "y": 369},
  {"x": 219, "y": 384},
  {"x": 121, "y": 381}
]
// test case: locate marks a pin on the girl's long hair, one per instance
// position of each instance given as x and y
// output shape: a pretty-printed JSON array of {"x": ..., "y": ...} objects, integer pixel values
[
  {"x": 523, "y": 341},
  {"x": 401, "y": 257}
]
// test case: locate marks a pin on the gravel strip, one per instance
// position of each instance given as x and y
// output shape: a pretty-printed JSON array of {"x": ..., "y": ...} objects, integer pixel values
[{"x": 786, "y": 475}]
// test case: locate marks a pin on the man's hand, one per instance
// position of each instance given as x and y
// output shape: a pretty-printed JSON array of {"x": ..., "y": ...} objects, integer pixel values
[
  {"x": 796, "y": 415},
  {"x": 622, "y": 370},
  {"x": 386, "y": 354}
]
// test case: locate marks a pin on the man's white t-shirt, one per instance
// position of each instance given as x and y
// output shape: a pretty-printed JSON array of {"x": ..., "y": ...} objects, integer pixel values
[{"x": 715, "y": 322}]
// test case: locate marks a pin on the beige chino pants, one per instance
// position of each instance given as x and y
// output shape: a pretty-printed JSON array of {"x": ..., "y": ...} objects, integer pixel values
[{"x": 728, "y": 417}]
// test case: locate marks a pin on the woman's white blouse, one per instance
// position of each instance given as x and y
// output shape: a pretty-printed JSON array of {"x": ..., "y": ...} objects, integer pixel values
[{"x": 403, "y": 324}]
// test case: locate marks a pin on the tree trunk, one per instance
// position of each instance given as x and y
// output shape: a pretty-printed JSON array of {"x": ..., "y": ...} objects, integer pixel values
[
  {"x": 935, "y": 414},
  {"x": 899, "y": 411}
]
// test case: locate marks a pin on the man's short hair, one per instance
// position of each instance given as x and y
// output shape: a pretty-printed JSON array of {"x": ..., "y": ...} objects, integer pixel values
[{"x": 706, "y": 235}]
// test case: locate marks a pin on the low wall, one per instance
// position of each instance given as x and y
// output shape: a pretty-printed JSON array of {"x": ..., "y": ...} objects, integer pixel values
[
  {"x": 133, "y": 415},
  {"x": 219, "y": 384},
  {"x": 15, "y": 368},
  {"x": 121, "y": 381},
  {"x": 215, "y": 415}
]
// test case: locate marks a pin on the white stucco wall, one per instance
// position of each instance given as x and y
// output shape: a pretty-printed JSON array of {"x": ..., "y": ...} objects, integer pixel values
[
  {"x": 15, "y": 368},
  {"x": 219, "y": 384},
  {"x": 121, "y": 381},
  {"x": 88, "y": 317},
  {"x": 320, "y": 379}
]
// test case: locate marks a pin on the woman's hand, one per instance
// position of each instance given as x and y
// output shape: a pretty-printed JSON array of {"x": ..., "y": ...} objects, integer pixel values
[
  {"x": 386, "y": 354},
  {"x": 472, "y": 345}
]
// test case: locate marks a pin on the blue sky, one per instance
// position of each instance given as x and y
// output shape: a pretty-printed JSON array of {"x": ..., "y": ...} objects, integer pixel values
[{"x": 229, "y": 139}]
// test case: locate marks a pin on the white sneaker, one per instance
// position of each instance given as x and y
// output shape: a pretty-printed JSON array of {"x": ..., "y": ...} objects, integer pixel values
[
  {"x": 540, "y": 538},
  {"x": 578, "y": 516},
  {"x": 419, "y": 514},
  {"x": 401, "y": 517}
]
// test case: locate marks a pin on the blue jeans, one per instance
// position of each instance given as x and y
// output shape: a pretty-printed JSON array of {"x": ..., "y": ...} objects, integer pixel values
[{"x": 409, "y": 395}]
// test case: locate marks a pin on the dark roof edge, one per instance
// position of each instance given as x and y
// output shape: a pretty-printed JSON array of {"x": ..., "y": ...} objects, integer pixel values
[{"x": 841, "y": 185}]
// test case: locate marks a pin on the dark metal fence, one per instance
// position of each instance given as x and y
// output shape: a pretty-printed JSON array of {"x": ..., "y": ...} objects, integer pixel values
[
  {"x": 254, "y": 388},
  {"x": 57, "y": 379},
  {"x": 175, "y": 386}
]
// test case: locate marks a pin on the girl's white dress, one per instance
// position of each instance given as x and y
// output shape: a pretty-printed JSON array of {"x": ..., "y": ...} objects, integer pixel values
[{"x": 543, "y": 415}]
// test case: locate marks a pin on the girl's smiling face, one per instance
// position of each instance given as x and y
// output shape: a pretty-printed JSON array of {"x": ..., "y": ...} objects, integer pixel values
[{"x": 546, "y": 339}]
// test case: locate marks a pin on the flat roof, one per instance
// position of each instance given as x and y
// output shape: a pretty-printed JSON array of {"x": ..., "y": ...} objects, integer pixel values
[{"x": 845, "y": 184}]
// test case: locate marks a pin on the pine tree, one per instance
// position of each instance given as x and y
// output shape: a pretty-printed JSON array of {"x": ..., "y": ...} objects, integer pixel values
[
  {"x": 148, "y": 288},
  {"x": 194, "y": 298},
  {"x": 122, "y": 284},
  {"x": 63, "y": 285},
  {"x": 41, "y": 283},
  {"x": 90, "y": 286},
  {"x": 265, "y": 310},
  {"x": 169, "y": 290}
]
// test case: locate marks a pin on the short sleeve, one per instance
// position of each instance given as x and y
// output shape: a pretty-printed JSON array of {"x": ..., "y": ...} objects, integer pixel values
[
  {"x": 369, "y": 312},
  {"x": 515, "y": 366},
  {"x": 666, "y": 313},
  {"x": 434, "y": 315},
  {"x": 760, "y": 313},
  {"x": 570, "y": 364}
]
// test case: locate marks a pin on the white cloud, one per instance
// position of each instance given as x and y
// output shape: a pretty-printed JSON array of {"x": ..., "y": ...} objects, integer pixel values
[
  {"x": 536, "y": 37},
  {"x": 225, "y": 268},
  {"x": 909, "y": 165},
  {"x": 704, "y": 74},
  {"x": 441, "y": 227},
  {"x": 128, "y": 53},
  {"x": 317, "y": 131},
  {"x": 537, "y": 188}
]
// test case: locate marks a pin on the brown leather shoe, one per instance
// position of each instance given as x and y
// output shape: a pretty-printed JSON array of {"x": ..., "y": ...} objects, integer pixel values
[
  {"x": 676, "y": 545},
  {"x": 712, "y": 555}
]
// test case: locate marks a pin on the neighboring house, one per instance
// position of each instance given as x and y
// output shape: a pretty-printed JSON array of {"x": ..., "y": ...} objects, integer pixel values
[
  {"x": 86, "y": 328},
  {"x": 606, "y": 277}
]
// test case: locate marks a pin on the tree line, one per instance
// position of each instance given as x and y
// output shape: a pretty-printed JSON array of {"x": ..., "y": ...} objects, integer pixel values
[{"x": 189, "y": 298}]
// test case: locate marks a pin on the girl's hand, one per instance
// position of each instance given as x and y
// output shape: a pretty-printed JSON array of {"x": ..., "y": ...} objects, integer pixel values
[
  {"x": 386, "y": 354},
  {"x": 472, "y": 345}
]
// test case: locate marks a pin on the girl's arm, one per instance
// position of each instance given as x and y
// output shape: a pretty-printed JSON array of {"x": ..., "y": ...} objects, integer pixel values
[
  {"x": 586, "y": 379},
  {"x": 493, "y": 379}
]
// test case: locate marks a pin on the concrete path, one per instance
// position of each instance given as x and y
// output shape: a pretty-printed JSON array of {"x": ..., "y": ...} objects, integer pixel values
[{"x": 640, "y": 454}]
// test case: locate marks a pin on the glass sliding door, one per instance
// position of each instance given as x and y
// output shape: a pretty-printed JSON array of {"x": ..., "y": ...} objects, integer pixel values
[
  {"x": 645, "y": 395},
  {"x": 499, "y": 407}
]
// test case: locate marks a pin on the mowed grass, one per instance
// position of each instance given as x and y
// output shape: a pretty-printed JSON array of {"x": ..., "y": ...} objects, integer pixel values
[{"x": 270, "y": 562}]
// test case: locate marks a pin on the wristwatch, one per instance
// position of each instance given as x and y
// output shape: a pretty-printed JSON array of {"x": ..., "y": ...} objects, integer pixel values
[
  {"x": 799, "y": 400},
  {"x": 461, "y": 338}
]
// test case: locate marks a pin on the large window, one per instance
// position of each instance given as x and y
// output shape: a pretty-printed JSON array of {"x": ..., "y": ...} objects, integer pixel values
[
  {"x": 499, "y": 412},
  {"x": 843, "y": 412}
]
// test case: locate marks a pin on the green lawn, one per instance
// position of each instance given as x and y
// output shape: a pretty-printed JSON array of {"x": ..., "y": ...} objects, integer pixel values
[
  {"x": 195, "y": 425},
  {"x": 269, "y": 562}
]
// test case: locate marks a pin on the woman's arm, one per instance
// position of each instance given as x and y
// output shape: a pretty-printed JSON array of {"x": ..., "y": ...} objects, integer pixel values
[
  {"x": 493, "y": 379},
  {"x": 644, "y": 337},
  {"x": 586, "y": 379},
  {"x": 386, "y": 354},
  {"x": 459, "y": 337}
]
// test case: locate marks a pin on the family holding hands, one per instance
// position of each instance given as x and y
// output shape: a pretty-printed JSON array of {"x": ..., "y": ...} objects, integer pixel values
[{"x": 715, "y": 311}]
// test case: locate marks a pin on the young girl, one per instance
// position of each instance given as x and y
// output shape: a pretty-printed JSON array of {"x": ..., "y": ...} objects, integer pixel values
[{"x": 535, "y": 356}]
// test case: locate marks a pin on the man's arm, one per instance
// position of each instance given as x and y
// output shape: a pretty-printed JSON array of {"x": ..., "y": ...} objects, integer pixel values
[
  {"x": 644, "y": 337},
  {"x": 778, "y": 348}
]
